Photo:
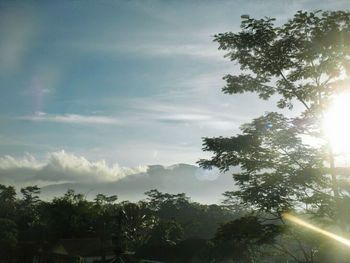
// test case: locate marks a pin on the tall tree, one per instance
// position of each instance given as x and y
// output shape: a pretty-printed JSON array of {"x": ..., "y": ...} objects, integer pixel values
[
  {"x": 303, "y": 61},
  {"x": 7, "y": 201}
]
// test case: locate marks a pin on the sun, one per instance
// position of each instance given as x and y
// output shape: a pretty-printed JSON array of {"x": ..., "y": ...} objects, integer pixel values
[{"x": 337, "y": 124}]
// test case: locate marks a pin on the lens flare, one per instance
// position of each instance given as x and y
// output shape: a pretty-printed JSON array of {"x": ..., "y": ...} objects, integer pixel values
[{"x": 300, "y": 222}]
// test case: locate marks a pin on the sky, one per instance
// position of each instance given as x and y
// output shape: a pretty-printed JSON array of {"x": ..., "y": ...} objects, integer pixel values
[{"x": 114, "y": 86}]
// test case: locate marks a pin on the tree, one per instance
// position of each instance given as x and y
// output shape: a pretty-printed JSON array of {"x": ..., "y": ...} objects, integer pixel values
[
  {"x": 240, "y": 238},
  {"x": 28, "y": 207},
  {"x": 302, "y": 61},
  {"x": 197, "y": 220},
  {"x": 7, "y": 201},
  {"x": 69, "y": 216},
  {"x": 30, "y": 194},
  {"x": 166, "y": 233},
  {"x": 105, "y": 211},
  {"x": 8, "y": 239},
  {"x": 135, "y": 225},
  {"x": 31, "y": 229}
]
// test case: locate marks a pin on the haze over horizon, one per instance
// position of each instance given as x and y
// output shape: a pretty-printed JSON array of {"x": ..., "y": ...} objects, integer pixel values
[{"x": 96, "y": 91}]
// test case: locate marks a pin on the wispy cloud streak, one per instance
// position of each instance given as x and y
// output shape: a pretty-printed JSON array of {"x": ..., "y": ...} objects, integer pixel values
[
  {"x": 71, "y": 118},
  {"x": 205, "y": 51}
]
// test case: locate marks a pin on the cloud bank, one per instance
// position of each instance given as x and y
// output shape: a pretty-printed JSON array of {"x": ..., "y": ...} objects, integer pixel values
[
  {"x": 60, "y": 167},
  {"x": 202, "y": 186},
  {"x": 61, "y": 171}
]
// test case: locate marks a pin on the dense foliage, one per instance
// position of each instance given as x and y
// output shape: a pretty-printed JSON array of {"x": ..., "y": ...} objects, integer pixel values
[{"x": 162, "y": 226}]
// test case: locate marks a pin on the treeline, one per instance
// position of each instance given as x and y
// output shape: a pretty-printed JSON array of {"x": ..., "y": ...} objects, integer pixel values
[{"x": 163, "y": 225}]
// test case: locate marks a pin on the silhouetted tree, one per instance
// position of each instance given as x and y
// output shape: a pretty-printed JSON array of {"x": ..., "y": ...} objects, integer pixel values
[
  {"x": 69, "y": 216},
  {"x": 7, "y": 201},
  {"x": 302, "y": 61},
  {"x": 197, "y": 220},
  {"x": 32, "y": 231},
  {"x": 240, "y": 239},
  {"x": 136, "y": 224}
]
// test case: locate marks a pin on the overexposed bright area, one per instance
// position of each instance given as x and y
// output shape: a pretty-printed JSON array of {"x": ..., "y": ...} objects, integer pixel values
[{"x": 337, "y": 124}]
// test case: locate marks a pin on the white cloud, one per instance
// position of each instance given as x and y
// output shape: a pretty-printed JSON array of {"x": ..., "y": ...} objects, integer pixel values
[
  {"x": 157, "y": 111},
  {"x": 71, "y": 118},
  {"x": 61, "y": 167},
  {"x": 186, "y": 117}
]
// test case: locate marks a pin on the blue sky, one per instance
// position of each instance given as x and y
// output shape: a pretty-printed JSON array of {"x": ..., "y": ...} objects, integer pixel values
[{"x": 127, "y": 82}]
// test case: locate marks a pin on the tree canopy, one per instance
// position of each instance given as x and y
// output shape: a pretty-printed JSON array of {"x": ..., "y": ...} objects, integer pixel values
[{"x": 303, "y": 61}]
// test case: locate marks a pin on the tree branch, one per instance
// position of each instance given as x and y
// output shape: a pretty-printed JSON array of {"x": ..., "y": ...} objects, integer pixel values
[{"x": 293, "y": 90}]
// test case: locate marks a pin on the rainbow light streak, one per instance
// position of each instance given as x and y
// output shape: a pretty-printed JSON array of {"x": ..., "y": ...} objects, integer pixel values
[{"x": 300, "y": 222}]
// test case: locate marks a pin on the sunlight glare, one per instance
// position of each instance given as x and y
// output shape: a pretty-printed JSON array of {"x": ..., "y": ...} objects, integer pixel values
[{"x": 337, "y": 124}]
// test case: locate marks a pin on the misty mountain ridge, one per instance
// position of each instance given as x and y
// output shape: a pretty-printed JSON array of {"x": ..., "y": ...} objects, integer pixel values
[{"x": 204, "y": 186}]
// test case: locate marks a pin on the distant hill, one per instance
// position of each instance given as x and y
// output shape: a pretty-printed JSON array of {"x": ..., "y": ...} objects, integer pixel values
[{"x": 201, "y": 185}]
